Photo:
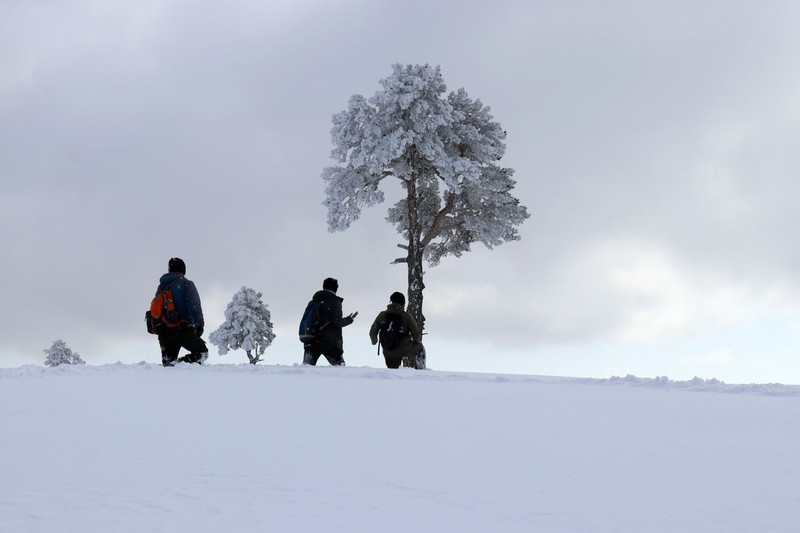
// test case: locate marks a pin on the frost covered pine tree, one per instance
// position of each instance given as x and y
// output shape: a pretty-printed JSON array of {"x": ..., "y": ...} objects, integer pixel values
[
  {"x": 60, "y": 354},
  {"x": 247, "y": 326},
  {"x": 444, "y": 149}
]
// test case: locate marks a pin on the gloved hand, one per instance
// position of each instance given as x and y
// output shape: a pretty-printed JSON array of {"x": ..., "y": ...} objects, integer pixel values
[{"x": 198, "y": 330}]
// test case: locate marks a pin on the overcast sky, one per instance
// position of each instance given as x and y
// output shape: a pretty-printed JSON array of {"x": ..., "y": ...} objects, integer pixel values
[{"x": 654, "y": 144}]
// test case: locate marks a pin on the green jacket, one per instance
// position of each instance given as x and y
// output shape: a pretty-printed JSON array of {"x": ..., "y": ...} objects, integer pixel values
[{"x": 411, "y": 343}]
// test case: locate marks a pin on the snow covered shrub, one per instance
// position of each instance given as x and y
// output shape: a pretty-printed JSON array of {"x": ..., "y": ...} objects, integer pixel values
[
  {"x": 247, "y": 326},
  {"x": 60, "y": 354}
]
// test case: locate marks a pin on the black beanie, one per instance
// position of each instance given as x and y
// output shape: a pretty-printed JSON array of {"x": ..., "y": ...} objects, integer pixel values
[
  {"x": 397, "y": 298},
  {"x": 330, "y": 284},
  {"x": 176, "y": 264}
]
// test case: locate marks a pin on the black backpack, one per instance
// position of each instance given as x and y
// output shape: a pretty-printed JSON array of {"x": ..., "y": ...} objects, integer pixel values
[
  {"x": 312, "y": 323},
  {"x": 392, "y": 331}
]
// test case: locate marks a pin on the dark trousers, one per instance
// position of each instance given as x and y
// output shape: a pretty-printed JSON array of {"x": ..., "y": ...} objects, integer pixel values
[
  {"x": 171, "y": 344},
  {"x": 334, "y": 354},
  {"x": 413, "y": 361},
  {"x": 393, "y": 362}
]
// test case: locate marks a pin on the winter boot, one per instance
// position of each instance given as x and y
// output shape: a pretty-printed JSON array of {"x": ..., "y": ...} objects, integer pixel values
[
  {"x": 422, "y": 359},
  {"x": 198, "y": 358}
]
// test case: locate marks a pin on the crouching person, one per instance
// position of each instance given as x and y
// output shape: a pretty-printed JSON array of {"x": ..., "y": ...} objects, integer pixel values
[
  {"x": 180, "y": 326},
  {"x": 399, "y": 335}
]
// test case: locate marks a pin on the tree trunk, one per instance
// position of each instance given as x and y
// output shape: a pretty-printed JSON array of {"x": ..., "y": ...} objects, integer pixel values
[
  {"x": 415, "y": 287},
  {"x": 253, "y": 360},
  {"x": 415, "y": 255}
]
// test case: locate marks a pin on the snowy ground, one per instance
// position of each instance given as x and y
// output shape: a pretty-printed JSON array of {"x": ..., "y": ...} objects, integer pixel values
[{"x": 133, "y": 448}]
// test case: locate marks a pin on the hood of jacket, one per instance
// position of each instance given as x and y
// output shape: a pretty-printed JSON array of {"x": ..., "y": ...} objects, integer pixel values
[
  {"x": 169, "y": 277},
  {"x": 326, "y": 294},
  {"x": 395, "y": 308}
]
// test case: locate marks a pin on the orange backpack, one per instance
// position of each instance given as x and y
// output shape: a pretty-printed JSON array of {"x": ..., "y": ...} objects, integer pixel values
[{"x": 162, "y": 316}]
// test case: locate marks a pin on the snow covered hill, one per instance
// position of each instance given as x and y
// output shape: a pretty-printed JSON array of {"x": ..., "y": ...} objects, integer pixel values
[{"x": 133, "y": 448}]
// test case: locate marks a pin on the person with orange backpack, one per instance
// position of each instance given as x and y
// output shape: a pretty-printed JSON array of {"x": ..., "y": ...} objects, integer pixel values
[{"x": 176, "y": 316}]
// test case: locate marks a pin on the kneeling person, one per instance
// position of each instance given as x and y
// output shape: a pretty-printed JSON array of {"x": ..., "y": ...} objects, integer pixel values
[
  {"x": 399, "y": 335},
  {"x": 190, "y": 312}
]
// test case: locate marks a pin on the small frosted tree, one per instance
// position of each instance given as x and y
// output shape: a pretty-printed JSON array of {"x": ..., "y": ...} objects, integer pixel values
[
  {"x": 60, "y": 354},
  {"x": 247, "y": 326},
  {"x": 444, "y": 151}
]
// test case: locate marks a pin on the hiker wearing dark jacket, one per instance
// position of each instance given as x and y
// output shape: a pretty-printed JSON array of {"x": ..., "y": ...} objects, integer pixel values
[
  {"x": 329, "y": 341},
  {"x": 187, "y": 305},
  {"x": 410, "y": 351}
]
